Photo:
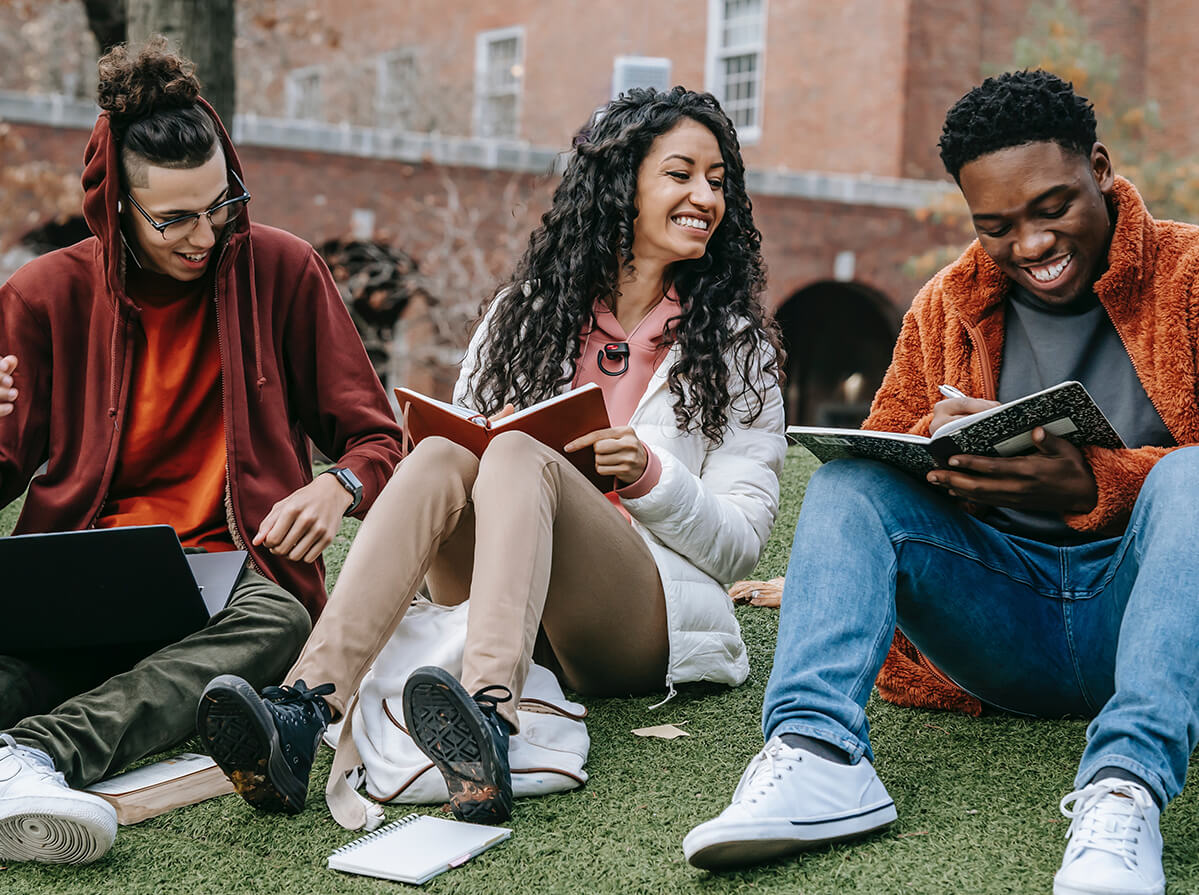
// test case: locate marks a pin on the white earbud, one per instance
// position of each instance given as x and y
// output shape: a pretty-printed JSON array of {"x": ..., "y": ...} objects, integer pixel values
[{"x": 120, "y": 207}]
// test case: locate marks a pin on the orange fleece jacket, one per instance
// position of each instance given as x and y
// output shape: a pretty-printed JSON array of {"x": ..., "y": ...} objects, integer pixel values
[{"x": 953, "y": 334}]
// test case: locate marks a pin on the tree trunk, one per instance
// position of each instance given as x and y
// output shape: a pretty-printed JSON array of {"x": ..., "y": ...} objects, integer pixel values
[
  {"x": 203, "y": 30},
  {"x": 106, "y": 19}
]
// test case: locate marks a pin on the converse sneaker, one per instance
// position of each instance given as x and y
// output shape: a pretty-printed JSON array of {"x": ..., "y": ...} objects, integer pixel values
[
  {"x": 264, "y": 744},
  {"x": 789, "y": 800},
  {"x": 41, "y": 818},
  {"x": 1115, "y": 847},
  {"x": 466, "y": 738}
]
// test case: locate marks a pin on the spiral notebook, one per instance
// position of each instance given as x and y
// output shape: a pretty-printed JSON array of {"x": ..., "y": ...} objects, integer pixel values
[{"x": 416, "y": 848}]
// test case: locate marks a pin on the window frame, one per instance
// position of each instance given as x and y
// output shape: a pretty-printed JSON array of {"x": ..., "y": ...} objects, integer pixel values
[
  {"x": 384, "y": 83},
  {"x": 484, "y": 92},
  {"x": 293, "y": 95},
  {"x": 717, "y": 53},
  {"x": 619, "y": 63}
]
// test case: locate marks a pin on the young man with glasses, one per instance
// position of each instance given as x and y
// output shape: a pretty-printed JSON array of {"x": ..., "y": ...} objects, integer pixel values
[{"x": 170, "y": 369}]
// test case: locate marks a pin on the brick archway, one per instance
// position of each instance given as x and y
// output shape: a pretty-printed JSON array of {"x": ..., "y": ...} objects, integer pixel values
[{"x": 839, "y": 338}]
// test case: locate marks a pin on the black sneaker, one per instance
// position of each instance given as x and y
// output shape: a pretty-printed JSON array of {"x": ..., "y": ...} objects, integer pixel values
[
  {"x": 264, "y": 744},
  {"x": 466, "y": 738}
]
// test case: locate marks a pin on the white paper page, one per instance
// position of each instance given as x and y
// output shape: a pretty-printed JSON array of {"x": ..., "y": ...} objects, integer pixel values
[
  {"x": 416, "y": 848},
  {"x": 152, "y": 774}
]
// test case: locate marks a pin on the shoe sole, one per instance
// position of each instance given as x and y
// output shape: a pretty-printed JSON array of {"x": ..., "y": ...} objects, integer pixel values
[
  {"x": 740, "y": 843},
  {"x": 1060, "y": 888},
  {"x": 449, "y": 728},
  {"x": 240, "y": 735},
  {"x": 56, "y": 831}
]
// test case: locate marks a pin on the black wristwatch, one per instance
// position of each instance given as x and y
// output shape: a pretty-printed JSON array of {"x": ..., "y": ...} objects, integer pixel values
[{"x": 350, "y": 482}]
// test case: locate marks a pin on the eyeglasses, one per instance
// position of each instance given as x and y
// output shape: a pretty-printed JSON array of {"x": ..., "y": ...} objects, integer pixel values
[{"x": 218, "y": 216}]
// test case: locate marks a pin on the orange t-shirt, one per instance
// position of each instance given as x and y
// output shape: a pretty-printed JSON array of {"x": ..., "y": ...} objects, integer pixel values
[{"x": 171, "y": 464}]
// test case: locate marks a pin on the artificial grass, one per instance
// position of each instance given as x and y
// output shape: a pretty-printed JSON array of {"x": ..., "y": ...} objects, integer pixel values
[{"x": 977, "y": 803}]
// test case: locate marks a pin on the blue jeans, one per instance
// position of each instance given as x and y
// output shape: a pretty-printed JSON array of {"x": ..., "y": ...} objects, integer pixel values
[{"x": 1107, "y": 629}]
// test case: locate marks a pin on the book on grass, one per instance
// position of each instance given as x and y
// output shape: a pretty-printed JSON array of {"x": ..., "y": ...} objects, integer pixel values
[
  {"x": 416, "y": 848},
  {"x": 554, "y": 422},
  {"x": 1065, "y": 410},
  {"x": 154, "y": 789}
]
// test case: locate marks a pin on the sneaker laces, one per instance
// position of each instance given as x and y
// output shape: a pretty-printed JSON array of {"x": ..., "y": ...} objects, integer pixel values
[
  {"x": 489, "y": 700},
  {"x": 295, "y": 704},
  {"x": 1100, "y": 819},
  {"x": 765, "y": 768},
  {"x": 34, "y": 759}
]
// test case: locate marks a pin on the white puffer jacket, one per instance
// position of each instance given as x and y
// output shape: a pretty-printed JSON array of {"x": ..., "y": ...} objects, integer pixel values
[{"x": 707, "y": 519}]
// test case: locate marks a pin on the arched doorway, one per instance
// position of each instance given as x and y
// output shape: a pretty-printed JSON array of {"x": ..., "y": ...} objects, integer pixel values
[{"x": 839, "y": 338}]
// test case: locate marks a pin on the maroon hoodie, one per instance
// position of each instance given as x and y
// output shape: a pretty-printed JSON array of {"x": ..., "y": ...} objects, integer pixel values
[{"x": 292, "y": 367}]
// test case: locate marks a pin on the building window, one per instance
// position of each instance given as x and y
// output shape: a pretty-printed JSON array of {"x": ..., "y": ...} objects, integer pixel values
[
  {"x": 736, "y": 44},
  {"x": 499, "y": 71},
  {"x": 639, "y": 71},
  {"x": 396, "y": 90},
  {"x": 303, "y": 94}
]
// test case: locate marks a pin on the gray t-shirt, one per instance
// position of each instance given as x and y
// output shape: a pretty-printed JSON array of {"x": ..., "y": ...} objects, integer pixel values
[{"x": 1046, "y": 344}]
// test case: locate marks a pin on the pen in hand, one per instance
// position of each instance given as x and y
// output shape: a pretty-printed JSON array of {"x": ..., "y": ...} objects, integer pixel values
[{"x": 950, "y": 392}]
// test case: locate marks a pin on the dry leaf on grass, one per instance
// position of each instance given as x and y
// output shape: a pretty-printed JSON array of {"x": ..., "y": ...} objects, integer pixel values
[
  {"x": 763, "y": 594},
  {"x": 662, "y": 731}
]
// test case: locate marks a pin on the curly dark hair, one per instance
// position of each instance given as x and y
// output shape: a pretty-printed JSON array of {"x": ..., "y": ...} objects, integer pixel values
[
  {"x": 1014, "y": 108},
  {"x": 585, "y": 244},
  {"x": 151, "y": 95}
]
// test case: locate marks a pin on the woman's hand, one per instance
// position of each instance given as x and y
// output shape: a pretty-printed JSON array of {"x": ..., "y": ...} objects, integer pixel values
[
  {"x": 508, "y": 410},
  {"x": 618, "y": 452}
]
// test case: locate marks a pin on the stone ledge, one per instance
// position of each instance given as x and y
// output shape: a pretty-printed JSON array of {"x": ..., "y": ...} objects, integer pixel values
[{"x": 471, "y": 152}]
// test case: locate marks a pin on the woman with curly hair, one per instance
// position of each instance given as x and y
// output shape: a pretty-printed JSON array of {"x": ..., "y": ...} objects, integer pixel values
[{"x": 643, "y": 278}]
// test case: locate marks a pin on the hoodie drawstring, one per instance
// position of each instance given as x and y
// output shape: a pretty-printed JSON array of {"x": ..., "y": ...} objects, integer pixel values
[
  {"x": 260, "y": 379},
  {"x": 114, "y": 390}
]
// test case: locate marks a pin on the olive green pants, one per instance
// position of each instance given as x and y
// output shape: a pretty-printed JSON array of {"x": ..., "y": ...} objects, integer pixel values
[{"x": 95, "y": 711}]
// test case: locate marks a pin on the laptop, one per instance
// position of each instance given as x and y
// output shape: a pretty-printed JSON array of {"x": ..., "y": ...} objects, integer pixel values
[{"x": 109, "y": 586}]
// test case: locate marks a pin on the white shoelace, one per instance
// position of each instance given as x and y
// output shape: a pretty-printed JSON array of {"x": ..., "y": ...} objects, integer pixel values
[
  {"x": 1114, "y": 824},
  {"x": 34, "y": 759},
  {"x": 766, "y": 767}
]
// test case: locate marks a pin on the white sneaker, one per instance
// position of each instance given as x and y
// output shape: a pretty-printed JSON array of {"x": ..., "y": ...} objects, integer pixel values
[
  {"x": 41, "y": 818},
  {"x": 789, "y": 800},
  {"x": 1115, "y": 846}
]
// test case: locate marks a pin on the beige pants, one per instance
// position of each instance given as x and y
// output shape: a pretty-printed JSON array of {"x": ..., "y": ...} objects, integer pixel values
[{"x": 534, "y": 546}]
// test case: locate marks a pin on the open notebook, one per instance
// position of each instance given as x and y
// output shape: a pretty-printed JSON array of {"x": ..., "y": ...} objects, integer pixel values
[{"x": 416, "y": 848}]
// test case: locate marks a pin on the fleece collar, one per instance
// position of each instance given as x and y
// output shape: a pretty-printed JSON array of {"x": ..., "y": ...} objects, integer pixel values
[{"x": 975, "y": 286}]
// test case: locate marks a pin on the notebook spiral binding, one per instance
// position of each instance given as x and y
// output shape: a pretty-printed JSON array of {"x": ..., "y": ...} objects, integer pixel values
[{"x": 370, "y": 837}]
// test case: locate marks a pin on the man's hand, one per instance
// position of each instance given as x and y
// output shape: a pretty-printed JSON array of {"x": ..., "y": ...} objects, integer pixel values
[
  {"x": 1057, "y": 478},
  {"x": 303, "y": 524},
  {"x": 8, "y": 394},
  {"x": 952, "y": 408},
  {"x": 618, "y": 452}
]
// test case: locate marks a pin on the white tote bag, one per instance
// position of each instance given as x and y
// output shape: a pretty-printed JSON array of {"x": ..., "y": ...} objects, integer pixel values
[{"x": 547, "y": 755}]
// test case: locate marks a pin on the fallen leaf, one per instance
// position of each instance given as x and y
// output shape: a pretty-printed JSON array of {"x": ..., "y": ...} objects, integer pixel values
[{"x": 662, "y": 731}]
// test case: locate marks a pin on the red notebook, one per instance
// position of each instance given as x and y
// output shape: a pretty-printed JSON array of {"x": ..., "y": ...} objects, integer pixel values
[{"x": 554, "y": 422}]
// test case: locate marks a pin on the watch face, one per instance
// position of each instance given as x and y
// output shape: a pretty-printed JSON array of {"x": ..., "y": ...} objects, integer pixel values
[
  {"x": 350, "y": 482},
  {"x": 348, "y": 479}
]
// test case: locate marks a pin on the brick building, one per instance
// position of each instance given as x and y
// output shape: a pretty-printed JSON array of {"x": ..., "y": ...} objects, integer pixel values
[{"x": 435, "y": 125}]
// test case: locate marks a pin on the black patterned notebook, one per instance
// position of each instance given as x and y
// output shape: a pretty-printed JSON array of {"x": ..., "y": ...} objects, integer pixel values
[
  {"x": 416, "y": 848},
  {"x": 1065, "y": 410}
]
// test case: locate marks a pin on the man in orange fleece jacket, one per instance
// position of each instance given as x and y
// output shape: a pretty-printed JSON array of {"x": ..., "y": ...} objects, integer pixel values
[{"x": 1058, "y": 583}]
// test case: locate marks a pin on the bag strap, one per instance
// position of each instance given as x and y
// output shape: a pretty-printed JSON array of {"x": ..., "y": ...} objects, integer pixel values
[{"x": 348, "y": 808}]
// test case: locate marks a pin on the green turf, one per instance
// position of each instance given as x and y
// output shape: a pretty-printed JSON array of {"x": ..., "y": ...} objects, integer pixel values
[{"x": 977, "y": 807}]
